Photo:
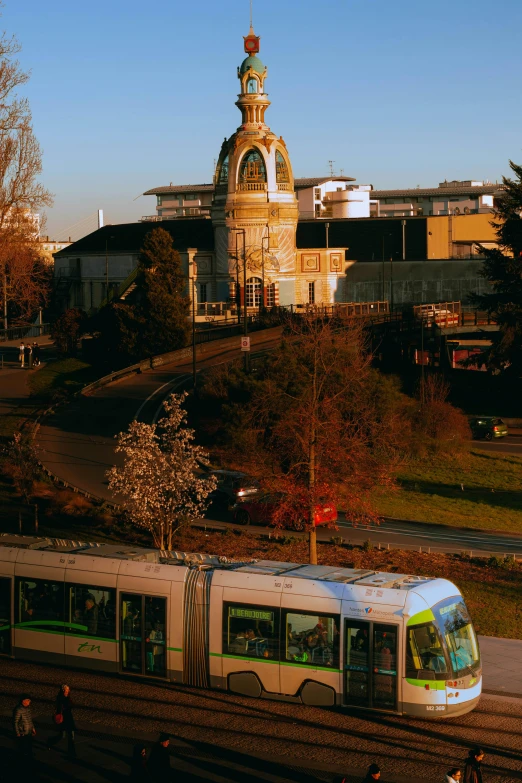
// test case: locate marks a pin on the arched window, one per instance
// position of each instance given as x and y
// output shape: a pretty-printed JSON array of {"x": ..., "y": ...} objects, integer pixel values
[
  {"x": 252, "y": 86},
  {"x": 281, "y": 168},
  {"x": 223, "y": 171},
  {"x": 254, "y": 292},
  {"x": 252, "y": 167}
]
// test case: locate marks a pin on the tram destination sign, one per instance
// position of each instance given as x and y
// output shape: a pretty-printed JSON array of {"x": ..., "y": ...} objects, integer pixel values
[{"x": 250, "y": 614}]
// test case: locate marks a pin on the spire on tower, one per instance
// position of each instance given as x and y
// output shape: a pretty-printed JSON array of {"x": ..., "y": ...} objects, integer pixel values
[{"x": 251, "y": 40}]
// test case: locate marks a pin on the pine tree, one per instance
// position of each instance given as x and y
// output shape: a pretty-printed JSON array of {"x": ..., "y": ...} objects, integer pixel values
[
  {"x": 503, "y": 270},
  {"x": 162, "y": 306}
]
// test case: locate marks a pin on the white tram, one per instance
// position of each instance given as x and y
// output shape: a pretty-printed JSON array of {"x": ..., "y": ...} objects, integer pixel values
[{"x": 317, "y": 635}]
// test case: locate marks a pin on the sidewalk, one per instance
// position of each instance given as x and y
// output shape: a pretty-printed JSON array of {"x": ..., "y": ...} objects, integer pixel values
[
  {"x": 501, "y": 666},
  {"x": 105, "y": 755}
]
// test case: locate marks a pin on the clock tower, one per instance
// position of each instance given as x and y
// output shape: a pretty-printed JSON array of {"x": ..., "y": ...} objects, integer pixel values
[{"x": 255, "y": 209}]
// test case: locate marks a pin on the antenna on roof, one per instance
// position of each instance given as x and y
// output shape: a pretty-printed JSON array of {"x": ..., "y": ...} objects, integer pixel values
[
  {"x": 342, "y": 172},
  {"x": 331, "y": 162}
]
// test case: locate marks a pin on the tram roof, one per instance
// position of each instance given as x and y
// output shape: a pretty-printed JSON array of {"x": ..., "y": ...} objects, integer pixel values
[{"x": 360, "y": 576}]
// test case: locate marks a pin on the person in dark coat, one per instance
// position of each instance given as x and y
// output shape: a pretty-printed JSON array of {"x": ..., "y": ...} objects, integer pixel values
[
  {"x": 140, "y": 766},
  {"x": 36, "y": 354},
  {"x": 67, "y": 727},
  {"x": 159, "y": 760},
  {"x": 473, "y": 770},
  {"x": 373, "y": 774},
  {"x": 23, "y": 726}
]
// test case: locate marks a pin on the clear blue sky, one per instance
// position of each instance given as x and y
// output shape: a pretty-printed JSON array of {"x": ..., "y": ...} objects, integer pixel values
[{"x": 128, "y": 95}]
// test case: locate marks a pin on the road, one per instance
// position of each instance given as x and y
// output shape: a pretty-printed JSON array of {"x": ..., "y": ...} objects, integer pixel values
[
  {"x": 304, "y": 736},
  {"x": 510, "y": 445}
]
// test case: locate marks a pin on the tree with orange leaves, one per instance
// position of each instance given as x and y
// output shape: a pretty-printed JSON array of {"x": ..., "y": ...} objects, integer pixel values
[{"x": 322, "y": 427}]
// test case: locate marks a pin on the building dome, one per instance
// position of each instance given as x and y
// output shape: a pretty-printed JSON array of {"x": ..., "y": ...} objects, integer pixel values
[{"x": 252, "y": 62}]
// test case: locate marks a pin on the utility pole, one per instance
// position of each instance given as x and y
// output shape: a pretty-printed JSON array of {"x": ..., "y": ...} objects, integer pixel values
[
  {"x": 327, "y": 228},
  {"x": 403, "y": 222},
  {"x": 4, "y": 295},
  {"x": 192, "y": 279}
]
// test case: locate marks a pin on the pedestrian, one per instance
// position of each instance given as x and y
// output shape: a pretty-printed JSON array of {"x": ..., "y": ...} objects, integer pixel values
[
  {"x": 23, "y": 726},
  {"x": 21, "y": 355},
  {"x": 28, "y": 351},
  {"x": 36, "y": 354},
  {"x": 374, "y": 773},
  {"x": 453, "y": 775},
  {"x": 159, "y": 760},
  {"x": 64, "y": 720},
  {"x": 139, "y": 766},
  {"x": 472, "y": 770}
]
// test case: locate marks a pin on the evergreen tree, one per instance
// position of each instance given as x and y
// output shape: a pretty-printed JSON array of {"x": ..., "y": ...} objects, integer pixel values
[
  {"x": 162, "y": 307},
  {"x": 503, "y": 270}
]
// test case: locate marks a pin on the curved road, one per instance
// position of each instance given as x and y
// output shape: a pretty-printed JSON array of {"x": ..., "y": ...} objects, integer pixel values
[{"x": 77, "y": 445}]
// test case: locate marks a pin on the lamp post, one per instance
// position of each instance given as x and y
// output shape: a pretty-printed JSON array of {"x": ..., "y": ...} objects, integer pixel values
[
  {"x": 192, "y": 279},
  {"x": 107, "y": 268},
  {"x": 383, "y": 261},
  {"x": 245, "y": 315},
  {"x": 263, "y": 240}
]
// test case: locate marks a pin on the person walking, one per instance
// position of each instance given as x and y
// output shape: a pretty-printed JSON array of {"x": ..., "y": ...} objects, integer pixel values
[
  {"x": 139, "y": 765},
  {"x": 63, "y": 717},
  {"x": 24, "y": 726},
  {"x": 28, "y": 351},
  {"x": 159, "y": 760},
  {"x": 453, "y": 775},
  {"x": 36, "y": 354},
  {"x": 473, "y": 768},
  {"x": 21, "y": 355}
]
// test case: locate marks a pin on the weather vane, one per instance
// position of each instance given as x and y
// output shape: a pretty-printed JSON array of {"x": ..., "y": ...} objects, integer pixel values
[{"x": 250, "y": 13}]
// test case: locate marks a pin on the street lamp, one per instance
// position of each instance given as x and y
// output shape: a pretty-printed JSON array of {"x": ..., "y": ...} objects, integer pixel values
[
  {"x": 263, "y": 239},
  {"x": 192, "y": 278},
  {"x": 107, "y": 268},
  {"x": 245, "y": 316}
]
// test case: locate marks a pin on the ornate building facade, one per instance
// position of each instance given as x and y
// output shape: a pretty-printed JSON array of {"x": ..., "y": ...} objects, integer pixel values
[{"x": 255, "y": 209}]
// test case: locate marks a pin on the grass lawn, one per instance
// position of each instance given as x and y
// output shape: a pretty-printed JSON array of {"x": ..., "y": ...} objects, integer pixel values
[
  {"x": 490, "y": 497},
  {"x": 65, "y": 375}
]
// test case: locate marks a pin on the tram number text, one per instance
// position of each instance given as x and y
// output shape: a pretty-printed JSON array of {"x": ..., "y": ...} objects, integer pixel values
[
  {"x": 86, "y": 647},
  {"x": 435, "y": 707}
]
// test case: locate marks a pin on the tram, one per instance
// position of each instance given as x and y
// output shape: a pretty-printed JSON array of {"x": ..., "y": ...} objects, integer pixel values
[{"x": 315, "y": 635}]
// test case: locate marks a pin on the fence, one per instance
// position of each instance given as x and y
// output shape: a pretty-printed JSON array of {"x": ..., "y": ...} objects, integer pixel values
[{"x": 21, "y": 332}]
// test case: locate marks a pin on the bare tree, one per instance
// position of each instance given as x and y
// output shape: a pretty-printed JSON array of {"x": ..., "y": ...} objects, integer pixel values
[
  {"x": 25, "y": 282},
  {"x": 161, "y": 479},
  {"x": 322, "y": 426}
]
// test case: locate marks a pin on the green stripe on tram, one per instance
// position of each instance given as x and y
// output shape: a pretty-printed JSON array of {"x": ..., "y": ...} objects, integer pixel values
[
  {"x": 426, "y": 616},
  {"x": 175, "y": 649},
  {"x": 281, "y": 663},
  {"x": 435, "y": 685}
]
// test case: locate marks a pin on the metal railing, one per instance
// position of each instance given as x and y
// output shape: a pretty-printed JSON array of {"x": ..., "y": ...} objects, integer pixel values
[{"x": 21, "y": 332}]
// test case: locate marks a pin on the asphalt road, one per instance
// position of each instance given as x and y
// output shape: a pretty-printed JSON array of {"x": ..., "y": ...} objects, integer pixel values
[
  {"x": 512, "y": 444},
  {"x": 406, "y": 749}
]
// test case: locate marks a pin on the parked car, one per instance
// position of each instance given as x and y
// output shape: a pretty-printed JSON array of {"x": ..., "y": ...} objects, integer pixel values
[
  {"x": 232, "y": 485},
  {"x": 261, "y": 511},
  {"x": 488, "y": 427}
]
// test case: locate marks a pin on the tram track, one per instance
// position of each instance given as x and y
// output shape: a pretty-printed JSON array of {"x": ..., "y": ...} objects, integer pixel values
[{"x": 413, "y": 748}]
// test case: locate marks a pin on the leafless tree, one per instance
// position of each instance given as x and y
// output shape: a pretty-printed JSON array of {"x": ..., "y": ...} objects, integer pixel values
[{"x": 24, "y": 279}]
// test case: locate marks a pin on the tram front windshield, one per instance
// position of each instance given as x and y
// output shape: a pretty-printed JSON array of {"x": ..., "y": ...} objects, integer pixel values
[{"x": 455, "y": 626}]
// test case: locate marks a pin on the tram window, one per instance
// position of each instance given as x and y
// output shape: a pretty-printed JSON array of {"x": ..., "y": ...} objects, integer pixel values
[
  {"x": 424, "y": 653},
  {"x": 251, "y": 631},
  {"x": 39, "y": 600},
  {"x": 92, "y": 611},
  {"x": 312, "y": 639}
]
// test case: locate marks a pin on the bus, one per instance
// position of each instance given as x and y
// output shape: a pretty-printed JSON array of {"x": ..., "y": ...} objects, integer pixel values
[{"x": 309, "y": 634}]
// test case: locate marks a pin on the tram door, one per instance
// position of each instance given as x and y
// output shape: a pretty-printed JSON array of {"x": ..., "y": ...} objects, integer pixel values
[
  {"x": 370, "y": 666},
  {"x": 143, "y": 634},
  {"x": 5, "y": 616}
]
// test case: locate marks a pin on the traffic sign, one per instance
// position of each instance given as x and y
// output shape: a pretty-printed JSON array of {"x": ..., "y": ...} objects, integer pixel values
[{"x": 245, "y": 343}]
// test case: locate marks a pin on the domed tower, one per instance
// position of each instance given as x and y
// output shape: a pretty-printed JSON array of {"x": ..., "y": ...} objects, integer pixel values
[{"x": 255, "y": 208}]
